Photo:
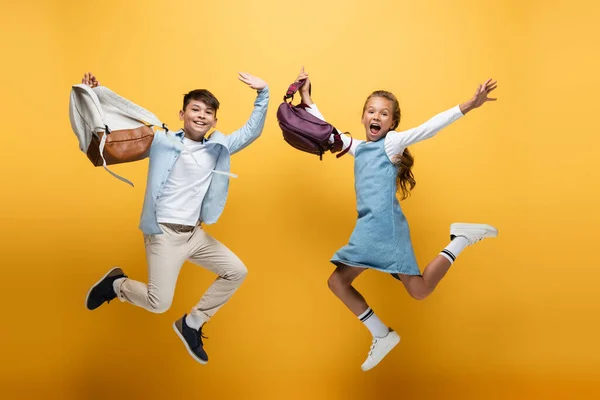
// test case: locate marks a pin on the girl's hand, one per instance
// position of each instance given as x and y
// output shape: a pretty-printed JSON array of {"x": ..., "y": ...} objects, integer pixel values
[
  {"x": 480, "y": 97},
  {"x": 305, "y": 88}
]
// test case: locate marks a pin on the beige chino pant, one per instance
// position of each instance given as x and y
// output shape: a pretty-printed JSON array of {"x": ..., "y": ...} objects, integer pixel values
[{"x": 166, "y": 254}]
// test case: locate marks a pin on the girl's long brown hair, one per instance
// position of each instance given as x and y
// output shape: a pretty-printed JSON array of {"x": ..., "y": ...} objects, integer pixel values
[{"x": 405, "y": 180}]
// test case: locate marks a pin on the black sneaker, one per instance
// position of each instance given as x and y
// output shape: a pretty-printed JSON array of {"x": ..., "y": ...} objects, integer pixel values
[
  {"x": 192, "y": 339},
  {"x": 103, "y": 289}
]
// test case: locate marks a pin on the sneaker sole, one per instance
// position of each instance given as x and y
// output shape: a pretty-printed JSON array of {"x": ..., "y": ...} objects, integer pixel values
[
  {"x": 387, "y": 349},
  {"x": 87, "y": 297},
  {"x": 194, "y": 356},
  {"x": 492, "y": 232}
]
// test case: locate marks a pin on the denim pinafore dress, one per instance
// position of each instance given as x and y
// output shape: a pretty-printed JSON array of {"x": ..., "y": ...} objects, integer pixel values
[{"x": 381, "y": 237}]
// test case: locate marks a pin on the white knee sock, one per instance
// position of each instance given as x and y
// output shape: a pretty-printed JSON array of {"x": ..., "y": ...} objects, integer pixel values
[
  {"x": 455, "y": 247},
  {"x": 377, "y": 328}
]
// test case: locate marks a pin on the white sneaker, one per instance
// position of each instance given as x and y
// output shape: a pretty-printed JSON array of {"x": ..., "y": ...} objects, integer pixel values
[
  {"x": 379, "y": 349},
  {"x": 473, "y": 232}
]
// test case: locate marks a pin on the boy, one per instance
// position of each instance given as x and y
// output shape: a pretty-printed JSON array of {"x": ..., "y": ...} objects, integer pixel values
[{"x": 186, "y": 188}]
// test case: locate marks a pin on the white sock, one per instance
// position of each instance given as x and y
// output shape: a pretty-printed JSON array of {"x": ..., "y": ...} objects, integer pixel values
[
  {"x": 194, "y": 321},
  {"x": 117, "y": 285},
  {"x": 377, "y": 328},
  {"x": 455, "y": 247}
]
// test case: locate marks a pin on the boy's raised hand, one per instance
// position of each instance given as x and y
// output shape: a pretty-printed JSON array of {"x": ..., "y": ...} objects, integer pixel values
[
  {"x": 90, "y": 80},
  {"x": 253, "y": 81}
]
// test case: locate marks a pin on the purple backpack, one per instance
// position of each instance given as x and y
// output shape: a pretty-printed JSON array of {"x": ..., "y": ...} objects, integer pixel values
[{"x": 303, "y": 130}]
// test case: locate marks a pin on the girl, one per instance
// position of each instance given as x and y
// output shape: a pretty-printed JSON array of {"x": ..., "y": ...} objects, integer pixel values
[{"x": 381, "y": 237}]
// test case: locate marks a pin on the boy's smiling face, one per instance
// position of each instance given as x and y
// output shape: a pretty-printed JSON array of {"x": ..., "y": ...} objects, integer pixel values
[{"x": 198, "y": 118}]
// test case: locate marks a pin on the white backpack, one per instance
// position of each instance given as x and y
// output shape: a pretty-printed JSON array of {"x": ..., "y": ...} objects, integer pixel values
[{"x": 98, "y": 115}]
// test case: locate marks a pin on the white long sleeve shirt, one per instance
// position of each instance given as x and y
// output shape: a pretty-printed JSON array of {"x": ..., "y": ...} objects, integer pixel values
[
  {"x": 396, "y": 142},
  {"x": 187, "y": 185}
]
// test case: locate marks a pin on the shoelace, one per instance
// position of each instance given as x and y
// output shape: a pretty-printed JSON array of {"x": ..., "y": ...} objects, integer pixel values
[
  {"x": 373, "y": 347},
  {"x": 478, "y": 239},
  {"x": 109, "y": 297},
  {"x": 473, "y": 240},
  {"x": 198, "y": 338}
]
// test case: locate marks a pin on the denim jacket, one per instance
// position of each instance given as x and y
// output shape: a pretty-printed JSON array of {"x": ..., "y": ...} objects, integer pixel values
[{"x": 166, "y": 148}]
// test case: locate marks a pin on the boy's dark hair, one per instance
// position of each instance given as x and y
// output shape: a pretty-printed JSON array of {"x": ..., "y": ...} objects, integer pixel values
[{"x": 202, "y": 95}]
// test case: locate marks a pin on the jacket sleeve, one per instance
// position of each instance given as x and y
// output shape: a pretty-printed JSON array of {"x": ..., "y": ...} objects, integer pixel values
[{"x": 252, "y": 129}]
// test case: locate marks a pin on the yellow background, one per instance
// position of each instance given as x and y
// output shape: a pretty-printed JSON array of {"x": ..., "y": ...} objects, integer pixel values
[{"x": 517, "y": 316}]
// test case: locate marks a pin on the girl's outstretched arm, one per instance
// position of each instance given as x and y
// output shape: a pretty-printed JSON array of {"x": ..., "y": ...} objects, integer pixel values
[{"x": 396, "y": 142}]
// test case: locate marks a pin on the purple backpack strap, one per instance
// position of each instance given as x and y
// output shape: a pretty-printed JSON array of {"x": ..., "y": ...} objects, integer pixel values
[
  {"x": 336, "y": 142},
  {"x": 294, "y": 87}
]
